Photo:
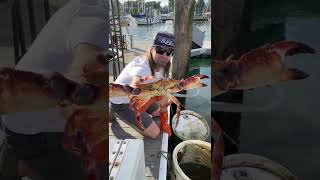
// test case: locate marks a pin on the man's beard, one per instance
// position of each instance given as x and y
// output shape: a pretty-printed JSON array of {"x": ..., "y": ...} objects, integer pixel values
[{"x": 161, "y": 63}]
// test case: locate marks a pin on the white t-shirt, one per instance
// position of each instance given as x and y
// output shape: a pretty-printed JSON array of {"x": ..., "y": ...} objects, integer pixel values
[
  {"x": 138, "y": 67},
  {"x": 79, "y": 21}
]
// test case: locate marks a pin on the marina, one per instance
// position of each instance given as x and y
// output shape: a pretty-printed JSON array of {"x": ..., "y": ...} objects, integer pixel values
[{"x": 138, "y": 38}]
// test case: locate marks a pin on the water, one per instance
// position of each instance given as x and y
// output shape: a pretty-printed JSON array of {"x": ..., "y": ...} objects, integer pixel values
[
  {"x": 196, "y": 171},
  {"x": 145, "y": 34},
  {"x": 202, "y": 102},
  {"x": 287, "y": 134}
]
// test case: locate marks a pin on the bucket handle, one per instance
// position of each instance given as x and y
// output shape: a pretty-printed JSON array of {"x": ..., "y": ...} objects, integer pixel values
[{"x": 167, "y": 157}]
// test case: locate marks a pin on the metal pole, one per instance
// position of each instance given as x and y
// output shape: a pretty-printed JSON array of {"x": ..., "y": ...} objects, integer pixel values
[
  {"x": 46, "y": 9},
  {"x": 31, "y": 19},
  {"x": 122, "y": 55}
]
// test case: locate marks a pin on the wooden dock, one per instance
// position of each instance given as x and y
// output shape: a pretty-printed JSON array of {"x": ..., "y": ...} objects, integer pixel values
[{"x": 119, "y": 129}]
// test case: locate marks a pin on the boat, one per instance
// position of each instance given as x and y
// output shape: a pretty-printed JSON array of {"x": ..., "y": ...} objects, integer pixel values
[
  {"x": 197, "y": 35},
  {"x": 147, "y": 19}
]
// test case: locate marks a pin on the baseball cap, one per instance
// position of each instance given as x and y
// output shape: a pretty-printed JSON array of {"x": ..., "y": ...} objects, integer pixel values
[{"x": 164, "y": 39}]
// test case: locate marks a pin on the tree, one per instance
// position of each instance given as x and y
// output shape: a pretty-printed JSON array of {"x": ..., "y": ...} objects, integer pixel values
[
  {"x": 134, "y": 11},
  {"x": 183, "y": 23}
]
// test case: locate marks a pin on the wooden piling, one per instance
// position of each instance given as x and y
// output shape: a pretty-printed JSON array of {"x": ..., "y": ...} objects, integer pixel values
[
  {"x": 230, "y": 27},
  {"x": 183, "y": 21}
]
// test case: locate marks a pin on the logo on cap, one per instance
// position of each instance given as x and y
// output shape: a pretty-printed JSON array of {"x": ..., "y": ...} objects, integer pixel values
[{"x": 167, "y": 42}]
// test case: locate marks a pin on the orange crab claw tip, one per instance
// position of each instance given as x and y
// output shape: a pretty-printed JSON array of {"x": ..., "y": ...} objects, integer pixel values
[
  {"x": 204, "y": 85},
  {"x": 204, "y": 76},
  {"x": 301, "y": 75},
  {"x": 297, "y": 74},
  {"x": 300, "y": 48}
]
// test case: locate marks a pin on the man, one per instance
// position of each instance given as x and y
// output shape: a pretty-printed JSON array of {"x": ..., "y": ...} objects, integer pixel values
[
  {"x": 156, "y": 63},
  {"x": 74, "y": 35}
]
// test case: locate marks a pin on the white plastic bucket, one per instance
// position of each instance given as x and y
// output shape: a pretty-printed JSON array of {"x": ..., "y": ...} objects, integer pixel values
[
  {"x": 192, "y": 152},
  {"x": 251, "y": 166},
  {"x": 191, "y": 126}
]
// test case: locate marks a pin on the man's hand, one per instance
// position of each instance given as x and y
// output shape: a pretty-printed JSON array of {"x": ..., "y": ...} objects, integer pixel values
[
  {"x": 136, "y": 80},
  {"x": 84, "y": 94},
  {"x": 70, "y": 91},
  {"x": 89, "y": 65},
  {"x": 96, "y": 72}
]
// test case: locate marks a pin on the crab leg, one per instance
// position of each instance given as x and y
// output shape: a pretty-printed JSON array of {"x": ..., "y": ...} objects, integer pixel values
[
  {"x": 176, "y": 102},
  {"x": 139, "y": 106},
  {"x": 164, "y": 120},
  {"x": 116, "y": 90},
  {"x": 218, "y": 150},
  {"x": 86, "y": 136},
  {"x": 164, "y": 102}
]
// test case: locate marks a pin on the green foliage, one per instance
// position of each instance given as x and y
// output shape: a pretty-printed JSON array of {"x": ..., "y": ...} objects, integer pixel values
[{"x": 133, "y": 11}]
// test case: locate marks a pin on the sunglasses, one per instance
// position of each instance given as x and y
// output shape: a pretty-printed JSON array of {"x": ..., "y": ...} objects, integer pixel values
[{"x": 160, "y": 50}]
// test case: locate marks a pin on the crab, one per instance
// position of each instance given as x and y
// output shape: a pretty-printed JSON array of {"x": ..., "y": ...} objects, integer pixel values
[
  {"x": 156, "y": 90},
  {"x": 262, "y": 66},
  {"x": 82, "y": 100}
]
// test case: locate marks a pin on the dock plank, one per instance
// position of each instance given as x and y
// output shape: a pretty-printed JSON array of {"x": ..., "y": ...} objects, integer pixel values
[{"x": 119, "y": 129}]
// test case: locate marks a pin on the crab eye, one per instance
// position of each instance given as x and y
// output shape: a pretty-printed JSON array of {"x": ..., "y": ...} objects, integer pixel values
[{"x": 135, "y": 91}]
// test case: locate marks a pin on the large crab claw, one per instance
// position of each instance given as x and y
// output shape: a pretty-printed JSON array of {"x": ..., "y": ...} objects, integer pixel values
[
  {"x": 289, "y": 48},
  {"x": 259, "y": 67},
  {"x": 192, "y": 82},
  {"x": 116, "y": 90}
]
